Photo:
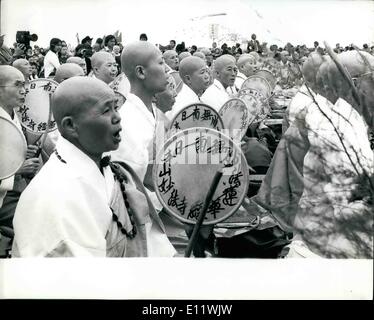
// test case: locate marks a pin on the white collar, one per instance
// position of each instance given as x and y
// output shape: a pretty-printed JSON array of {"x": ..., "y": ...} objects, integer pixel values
[
  {"x": 135, "y": 100},
  {"x": 219, "y": 85}
]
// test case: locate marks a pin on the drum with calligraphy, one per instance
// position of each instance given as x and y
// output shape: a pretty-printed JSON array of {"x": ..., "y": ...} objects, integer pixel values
[
  {"x": 34, "y": 114},
  {"x": 196, "y": 115},
  {"x": 184, "y": 170},
  {"x": 236, "y": 118},
  {"x": 12, "y": 148},
  {"x": 258, "y": 83},
  {"x": 260, "y": 109}
]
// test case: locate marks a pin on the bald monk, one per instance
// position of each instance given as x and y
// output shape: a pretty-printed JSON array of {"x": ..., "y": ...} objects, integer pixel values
[
  {"x": 303, "y": 99},
  {"x": 171, "y": 60},
  {"x": 68, "y": 70},
  {"x": 104, "y": 66},
  {"x": 24, "y": 66},
  {"x": 79, "y": 61},
  {"x": 283, "y": 185},
  {"x": 195, "y": 75},
  {"x": 247, "y": 67},
  {"x": 330, "y": 223},
  {"x": 76, "y": 206},
  {"x": 224, "y": 72},
  {"x": 12, "y": 95},
  {"x": 183, "y": 55},
  {"x": 144, "y": 67},
  {"x": 172, "y": 64},
  {"x": 200, "y": 55}
]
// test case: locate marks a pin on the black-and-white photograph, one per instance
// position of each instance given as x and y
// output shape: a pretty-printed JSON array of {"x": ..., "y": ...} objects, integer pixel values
[{"x": 217, "y": 149}]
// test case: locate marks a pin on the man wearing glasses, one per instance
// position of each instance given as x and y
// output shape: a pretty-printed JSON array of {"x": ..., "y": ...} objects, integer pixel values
[{"x": 12, "y": 95}]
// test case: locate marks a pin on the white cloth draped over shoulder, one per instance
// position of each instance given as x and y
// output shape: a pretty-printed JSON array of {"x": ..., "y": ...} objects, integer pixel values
[
  {"x": 215, "y": 96},
  {"x": 66, "y": 211},
  {"x": 329, "y": 179},
  {"x": 184, "y": 98},
  {"x": 240, "y": 78}
]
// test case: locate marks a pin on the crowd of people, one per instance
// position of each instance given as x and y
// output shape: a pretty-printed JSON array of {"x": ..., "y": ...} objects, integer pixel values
[{"x": 90, "y": 192}]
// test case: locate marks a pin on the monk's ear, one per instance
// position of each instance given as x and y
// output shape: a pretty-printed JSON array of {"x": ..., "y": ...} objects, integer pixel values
[
  {"x": 68, "y": 127},
  {"x": 187, "y": 79},
  {"x": 140, "y": 72}
]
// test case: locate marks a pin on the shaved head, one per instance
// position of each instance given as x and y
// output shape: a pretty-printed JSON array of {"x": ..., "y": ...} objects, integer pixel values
[
  {"x": 244, "y": 58},
  {"x": 190, "y": 65},
  {"x": 8, "y": 73},
  {"x": 183, "y": 55},
  {"x": 11, "y": 96},
  {"x": 171, "y": 59},
  {"x": 310, "y": 68},
  {"x": 200, "y": 55},
  {"x": 145, "y": 68},
  {"x": 222, "y": 61},
  {"x": 68, "y": 70},
  {"x": 137, "y": 53},
  {"x": 79, "y": 61},
  {"x": 76, "y": 95},
  {"x": 360, "y": 66},
  {"x": 194, "y": 73},
  {"x": 86, "y": 115},
  {"x": 323, "y": 82},
  {"x": 24, "y": 66},
  {"x": 98, "y": 58}
]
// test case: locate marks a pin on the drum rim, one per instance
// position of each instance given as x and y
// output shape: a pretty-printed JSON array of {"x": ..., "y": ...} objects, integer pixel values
[
  {"x": 18, "y": 115},
  {"x": 274, "y": 82},
  {"x": 193, "y": 104},
  {"x": 266, "y": 103},
  {"x": 245, "y": 171},
  {"x": 24, "y": 147},
  {"x": 266, "y": 82},
  {"x": 243, "y": 130}
]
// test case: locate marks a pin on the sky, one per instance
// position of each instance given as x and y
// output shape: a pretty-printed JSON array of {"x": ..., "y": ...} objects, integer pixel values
[{"x": 279, "y": 22}]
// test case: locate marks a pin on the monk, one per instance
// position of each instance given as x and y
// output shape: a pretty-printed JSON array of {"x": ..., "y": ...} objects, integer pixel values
[
  {"x": 144, "y": 67},
  {"x": 104, "y": 66},
  {"x": 81, "y": 204},
  {"x": 195, "y": 76},
  {"x": 12, "y": 95},
  {"x": 68, "y": 70},
  {"x": 225, "y": 71},
  {"x": 79, "y": 61},
  {"x": 24, "y": 66}
]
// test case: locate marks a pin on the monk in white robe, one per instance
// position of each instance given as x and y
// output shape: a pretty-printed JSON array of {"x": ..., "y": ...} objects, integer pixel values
[
  {"x": 225, "y": 71},
  {"x": 195, "y": 76},
  {"x": 79, "y": 205}
]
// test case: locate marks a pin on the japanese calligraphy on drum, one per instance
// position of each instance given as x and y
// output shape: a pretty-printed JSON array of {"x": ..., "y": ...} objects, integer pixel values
[
  {"x": 196, "y": 115},
  {"x": 236, "y": 118},
  {"x": 12, "y": 148},
  {"x": 184, "y": 170},
  {"x": 35, "y": 112}
]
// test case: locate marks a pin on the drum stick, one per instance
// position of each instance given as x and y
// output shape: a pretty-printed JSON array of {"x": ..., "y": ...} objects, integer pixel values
[
  {"x": 202, "y": 215},
  {"x": 44, "y": 135}
]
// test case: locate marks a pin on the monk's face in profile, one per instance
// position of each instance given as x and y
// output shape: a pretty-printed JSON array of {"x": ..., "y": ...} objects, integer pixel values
[{"x": 155, "y": 73}]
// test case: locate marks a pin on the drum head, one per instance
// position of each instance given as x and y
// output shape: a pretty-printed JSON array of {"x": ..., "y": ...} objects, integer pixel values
[
  {"x": 196, "y": 115},
  {"x": 121, "y": 84},
  {"x": 34, "y": 113},
  {"x": 261, "y": 109},
  {"x": 184, "y": 170},
  {"x": 258, "y": 83},
  {"x": 236, "y": 118},
  {"x": 12, "y": 148},
  {"x": 268, "y": 76}
]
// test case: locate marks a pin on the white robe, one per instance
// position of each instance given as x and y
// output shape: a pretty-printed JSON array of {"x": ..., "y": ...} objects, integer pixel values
[
  {"x": 215, "y": 96},
  {"x": 65, "y": 210},
  {"x": 184, "y": 98},
  {"x": 50, "y": 62},
  {"x": 329, "y": 178},
  {"x": 240, "y": 78}
]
